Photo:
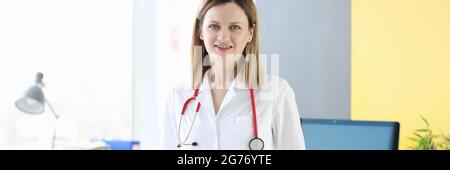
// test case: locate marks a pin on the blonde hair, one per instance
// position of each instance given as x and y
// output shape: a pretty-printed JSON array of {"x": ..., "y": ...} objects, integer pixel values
[{"x": 253, "y": 73}]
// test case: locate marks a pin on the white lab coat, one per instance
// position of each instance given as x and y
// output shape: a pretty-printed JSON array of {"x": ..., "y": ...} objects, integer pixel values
[{"x": 232, "y": 127}]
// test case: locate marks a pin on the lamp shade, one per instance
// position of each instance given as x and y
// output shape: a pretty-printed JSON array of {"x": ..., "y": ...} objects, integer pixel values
[{"x": 32, "y": 101}]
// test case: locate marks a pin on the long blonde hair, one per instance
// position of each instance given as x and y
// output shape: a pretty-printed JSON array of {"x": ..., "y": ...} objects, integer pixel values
[{"x": 253, "y": 72}]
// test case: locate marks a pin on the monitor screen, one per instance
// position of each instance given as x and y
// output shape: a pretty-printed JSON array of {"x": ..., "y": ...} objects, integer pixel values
[{"x": 322, "y": 134}]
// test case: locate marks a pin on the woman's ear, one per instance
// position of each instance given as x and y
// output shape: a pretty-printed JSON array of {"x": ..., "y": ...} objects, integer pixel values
[
  {"x": 201, "y": 36},
  {"x": 251, "y": 34}
]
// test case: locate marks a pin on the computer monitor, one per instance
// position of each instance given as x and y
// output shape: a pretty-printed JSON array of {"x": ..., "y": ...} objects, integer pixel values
[{"x": 326, "y": 134}]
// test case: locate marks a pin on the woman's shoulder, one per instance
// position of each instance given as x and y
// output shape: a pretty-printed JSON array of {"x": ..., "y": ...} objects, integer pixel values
[
  {"x": 181, "y": 89},
  {"x": 277, "y": 86},
  {"x": 182, "y": 85},
  {"x": 275, "y": 82}
]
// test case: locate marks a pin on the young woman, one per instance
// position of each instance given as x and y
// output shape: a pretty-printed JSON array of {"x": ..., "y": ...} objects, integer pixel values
[{"x": 230, "y": 103}]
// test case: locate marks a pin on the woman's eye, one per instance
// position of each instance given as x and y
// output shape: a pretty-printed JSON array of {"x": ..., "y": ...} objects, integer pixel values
[
  {"x": 214, "y": 27},
  {"x": 235, "y": 27}
]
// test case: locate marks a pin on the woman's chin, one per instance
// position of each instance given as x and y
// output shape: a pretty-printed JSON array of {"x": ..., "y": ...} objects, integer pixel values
[
  {"x": 228, "y": 55},
  {"x": 220, "y": 54}
]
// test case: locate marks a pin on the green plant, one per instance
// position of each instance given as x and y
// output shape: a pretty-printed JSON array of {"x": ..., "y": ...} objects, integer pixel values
[
  {"x": 425, "y": 139},
  {"x": 446, "y": 142}
]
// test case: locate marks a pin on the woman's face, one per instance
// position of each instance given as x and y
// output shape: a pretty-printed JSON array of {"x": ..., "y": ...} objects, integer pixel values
[{"x": 225, "y": 30}]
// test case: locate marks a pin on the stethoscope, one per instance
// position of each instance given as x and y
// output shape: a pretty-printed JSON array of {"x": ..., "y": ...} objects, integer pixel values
[{"x": 255, "y": 143}]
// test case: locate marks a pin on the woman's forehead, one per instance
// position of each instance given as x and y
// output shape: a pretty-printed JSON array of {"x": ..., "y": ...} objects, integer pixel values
[{"x": 226, "y": 14}]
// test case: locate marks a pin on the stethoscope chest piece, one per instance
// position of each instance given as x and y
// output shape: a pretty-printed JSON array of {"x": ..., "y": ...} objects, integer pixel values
[{"x": 256, "y": 144}]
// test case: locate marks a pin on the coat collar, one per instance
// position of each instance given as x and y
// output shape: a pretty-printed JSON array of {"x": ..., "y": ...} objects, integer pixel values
[{"x": 237, "y": 84}]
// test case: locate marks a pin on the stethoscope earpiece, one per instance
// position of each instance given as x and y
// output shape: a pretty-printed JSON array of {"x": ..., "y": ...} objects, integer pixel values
[{"x": 194, "y": 143}]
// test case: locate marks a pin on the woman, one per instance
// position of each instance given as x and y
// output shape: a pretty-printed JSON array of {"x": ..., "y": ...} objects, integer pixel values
[{"x": 230, "y": 103}]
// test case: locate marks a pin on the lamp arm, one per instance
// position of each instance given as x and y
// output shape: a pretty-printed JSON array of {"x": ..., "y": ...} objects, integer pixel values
[
  {"x": 56, "y": 121},
  {"x": 51, "y": 109}
]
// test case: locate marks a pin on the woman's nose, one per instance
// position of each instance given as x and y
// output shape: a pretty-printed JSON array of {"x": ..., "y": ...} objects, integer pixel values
[{"x": 224, "y": 35}]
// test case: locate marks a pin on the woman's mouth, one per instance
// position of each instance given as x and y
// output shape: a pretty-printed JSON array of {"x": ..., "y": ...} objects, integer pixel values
[{"x": 223, "y": 48}]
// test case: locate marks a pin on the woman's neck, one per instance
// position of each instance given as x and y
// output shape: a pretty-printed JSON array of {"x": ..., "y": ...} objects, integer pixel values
[{"x": 222, "y": 77}]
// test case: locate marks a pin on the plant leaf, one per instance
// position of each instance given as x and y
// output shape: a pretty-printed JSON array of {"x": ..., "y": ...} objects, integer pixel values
[
  {"x": 418, "y": 135},
  {"x": 425, "y": 120},
  {"x": 414, "y": 139},
  {"x": 422, "y": 130}
]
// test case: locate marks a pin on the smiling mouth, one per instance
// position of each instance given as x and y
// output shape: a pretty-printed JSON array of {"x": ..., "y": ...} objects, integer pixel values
[{"x": 223, "y": 48}]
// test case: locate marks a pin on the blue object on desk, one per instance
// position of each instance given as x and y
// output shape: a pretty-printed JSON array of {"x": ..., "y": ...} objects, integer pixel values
[
  {"x": 121, "y": 144},
  {"x": 328, "y": 134}
]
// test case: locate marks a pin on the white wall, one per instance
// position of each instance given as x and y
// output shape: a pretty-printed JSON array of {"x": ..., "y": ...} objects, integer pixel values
[{"x": 162, "y": 42}]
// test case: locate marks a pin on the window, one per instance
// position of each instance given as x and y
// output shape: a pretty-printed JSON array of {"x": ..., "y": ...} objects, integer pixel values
[{"x": 84, "y": 48}]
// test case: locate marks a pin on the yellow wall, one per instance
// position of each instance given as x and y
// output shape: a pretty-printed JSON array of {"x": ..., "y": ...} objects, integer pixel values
[{"x": 401, "y": 63}]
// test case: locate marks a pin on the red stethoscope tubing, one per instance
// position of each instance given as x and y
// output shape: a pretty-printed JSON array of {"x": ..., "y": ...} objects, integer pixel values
[
  {"x": 186, "y": 103},
  {"x": 255, "y": 122},
  {"x": 252, "y": 98}
]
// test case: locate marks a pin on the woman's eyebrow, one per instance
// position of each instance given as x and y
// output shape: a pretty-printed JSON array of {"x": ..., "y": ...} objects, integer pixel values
[
  {"x": 233, "y": 23},
  {"x": 215, "y": 22}
]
